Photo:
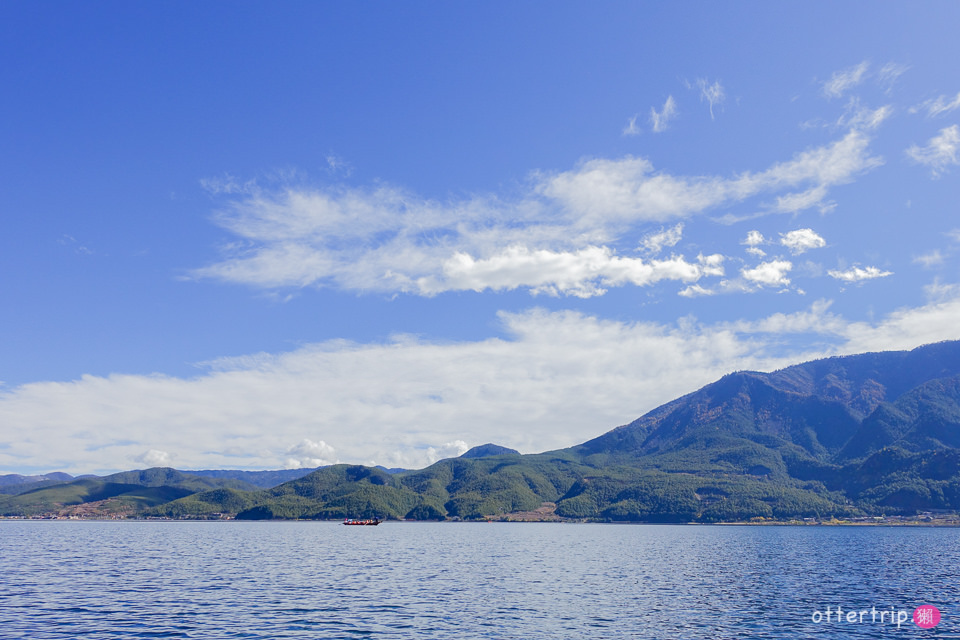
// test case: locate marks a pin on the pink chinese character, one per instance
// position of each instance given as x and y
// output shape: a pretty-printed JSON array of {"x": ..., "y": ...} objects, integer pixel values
[{"x": 926, "y": 616}]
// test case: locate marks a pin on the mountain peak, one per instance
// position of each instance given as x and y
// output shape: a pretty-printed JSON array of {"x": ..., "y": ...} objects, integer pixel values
[{"x": 489, "y": 449}]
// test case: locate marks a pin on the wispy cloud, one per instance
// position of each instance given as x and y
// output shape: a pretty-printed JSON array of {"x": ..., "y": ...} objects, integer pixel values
[
  {"x": 654, "y": 243},
  {"x": 660, "y": 120},
  {"x": 814, "y": 197},
  {"x": 78, "y": 248},
  {"x": 857, "y": 116},
  {"x": 940, "y": 292},
  {"x": 940, "y": 152},
  {"x": 711, "y": 93},
  {"x": 929, "y": 260},
  {"x": 938, "y": 106},
  {"x": 817, "y": 319},
  {"x": 844, "y": 80},
  {"x": 889, "y": 74},
  {"x": 338, "y": 166},
  {"x": 632, "y": 129},
  {"x": 858, "y": 274},
  {"x": 629, "y": 190}
]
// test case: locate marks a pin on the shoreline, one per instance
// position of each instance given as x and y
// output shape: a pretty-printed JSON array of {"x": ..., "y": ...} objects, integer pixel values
[{"x": 902, "y": 522}]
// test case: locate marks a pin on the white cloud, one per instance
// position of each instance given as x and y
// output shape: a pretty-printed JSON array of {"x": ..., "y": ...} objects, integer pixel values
[
  {"x": 855, "y": 117},
  {"x": 863, "y": 118},
  {"x": 940, "y": 105},
  {"x": 559, "y": 379},
  {"x": 227, "y": 185},
  {"x": 842, "y": 81},
  {"x": 67, "y": 240},
  {"x": 711, "y": 265},
  {"x": 889, "y": 74},
  {"x": 659, "y": 121},
  {"x": 816, "y": 320},
  {"x": 583, "y": 273},
  {"x": 940, "y": 152},
  {"x": 695, "y": 291},
  {"x": 453, "y": 449},
  {"x": 858, "y": 274},
  {"x": 796, "y": 202},
  {"x": 802, "y": 240},
  {"x": 308, "y": 454},
  {"x": 905, "y": 328},
  {"x": 713, "y": 94},
  {"x": 628, "y": 190},
  {"x": 939, "y": 292},
  {"x": 770, "y": 274},
  {"x": 555, "y": 380},
  {"x": 753, "y": 241},
  {"x": 829, "y": 165},
  {"x": 929, "y": 260},
  {"x": 386, "y": 239},
  {"x": 632, "y": 129},
  {"x": 154, "y": 458},
  {"x": 337, "y": 165},
  {"x": 654, "y": 243}
]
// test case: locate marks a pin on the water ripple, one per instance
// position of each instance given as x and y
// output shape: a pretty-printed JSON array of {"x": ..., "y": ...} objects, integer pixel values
[{"x": 111, "y": 580}]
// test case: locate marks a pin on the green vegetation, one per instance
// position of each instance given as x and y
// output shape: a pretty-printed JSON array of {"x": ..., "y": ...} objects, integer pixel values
[
  {"x": 854, "y": 436},
  {"x": 129, "y": 492}
]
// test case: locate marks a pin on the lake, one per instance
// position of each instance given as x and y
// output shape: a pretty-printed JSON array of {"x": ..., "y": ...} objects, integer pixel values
[{"x": 85, "y": 579}]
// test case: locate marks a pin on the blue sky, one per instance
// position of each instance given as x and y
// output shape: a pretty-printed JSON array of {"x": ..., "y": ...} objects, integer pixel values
[{"x": 264, "y": 235}]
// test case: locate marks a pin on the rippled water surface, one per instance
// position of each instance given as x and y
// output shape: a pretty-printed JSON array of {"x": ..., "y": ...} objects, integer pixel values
[{"x": 418, "y": 580}]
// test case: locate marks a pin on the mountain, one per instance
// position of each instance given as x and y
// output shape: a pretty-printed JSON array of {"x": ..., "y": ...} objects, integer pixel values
[
  {"x": 266, "y": 479},
  {"x": 486, "y": 450},
  {"x": 813, "y": 409},
  {"x": 262, "y": 479},
  {"x": 124, "y": 493},
  {"x": 14, "y": 483},
  {"x": 875, "y": 433}
]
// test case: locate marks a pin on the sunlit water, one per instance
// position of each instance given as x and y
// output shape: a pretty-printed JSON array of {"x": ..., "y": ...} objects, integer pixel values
[{"x": 418, "y": 580}]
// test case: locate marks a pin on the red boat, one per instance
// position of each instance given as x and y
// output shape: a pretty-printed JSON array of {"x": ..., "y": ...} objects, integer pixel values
[{"x": 369, "y": 523}]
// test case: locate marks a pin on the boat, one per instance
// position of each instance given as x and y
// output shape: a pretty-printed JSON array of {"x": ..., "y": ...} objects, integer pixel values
[{"x": 369, "y": 523}]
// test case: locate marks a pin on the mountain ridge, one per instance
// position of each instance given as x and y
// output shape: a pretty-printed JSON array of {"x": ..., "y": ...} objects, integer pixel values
[{"x": 846, "y": 436}]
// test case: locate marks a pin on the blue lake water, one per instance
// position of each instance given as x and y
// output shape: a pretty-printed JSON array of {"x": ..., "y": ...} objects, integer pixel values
[{"x": 448, "y": 580}]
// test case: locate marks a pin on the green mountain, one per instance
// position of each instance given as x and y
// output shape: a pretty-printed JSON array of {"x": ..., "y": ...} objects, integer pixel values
[
  {"x": 489, "y": 449},
  {"x": 262, "y": 479},
  {"x": 126, "y": 493},
  {"x": 876, "y": 433}
]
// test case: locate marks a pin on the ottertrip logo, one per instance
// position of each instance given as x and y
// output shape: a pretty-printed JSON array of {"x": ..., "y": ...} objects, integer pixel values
[{"x": 925, "y": 616}]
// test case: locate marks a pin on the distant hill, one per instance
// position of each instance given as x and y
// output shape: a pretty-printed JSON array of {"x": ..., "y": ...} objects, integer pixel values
[
  {"x": 15, "y": 483},
  {"x": 125, "y": 493},
  {"x": 266, "y": 479},
  {"x": 262, "y": 479},
  {"x": 390, "y": 469},
  {"x": 876, "y": 433},
  {"x": 486, "y": 450}
]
